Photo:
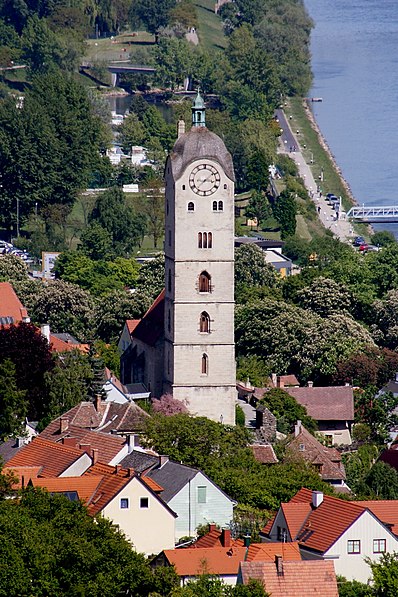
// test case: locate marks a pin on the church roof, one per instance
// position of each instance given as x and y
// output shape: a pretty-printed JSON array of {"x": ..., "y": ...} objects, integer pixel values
[
  {"x": 150, "y": 327},
  {"x": 200, "y": 143}
]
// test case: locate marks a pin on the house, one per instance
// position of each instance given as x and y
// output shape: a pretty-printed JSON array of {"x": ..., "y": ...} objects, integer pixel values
[
  {"x": 54, "y": 460},
  {"x": 11, "y": 446},
  {"x": 11, "y": 308},
  {"x": 125, "y": 338},
  {"x": 130, "y": 502},
  {"x": 264, "y": 453},
  {"x": 118, "y": 392},
  {"x": 62, "y": 342},
  {"x": 216, "y": 537},
  {"x": 330, "y": 528},
  {"x": 331, "y": 407},
  {"x": 272, "y": 250},
  {"x": 195, "y": 498},
  {"x": 223, "y": 560},
  {"x": 327, "y": 461},
  {"x": 100, "y": 416},
  {"x": 291, "y": 579},
  {"x": 281, "y": 263}
]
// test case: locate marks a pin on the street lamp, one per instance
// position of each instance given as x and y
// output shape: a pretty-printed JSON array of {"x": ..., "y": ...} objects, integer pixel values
[{"x": 312, "y": 157}]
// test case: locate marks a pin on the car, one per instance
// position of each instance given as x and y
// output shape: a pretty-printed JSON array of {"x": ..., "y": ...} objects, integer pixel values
[
  {"x": 373, "y": 248},
  {"x": 364, "y": 247},
  {"x": 358, "y": 241}
]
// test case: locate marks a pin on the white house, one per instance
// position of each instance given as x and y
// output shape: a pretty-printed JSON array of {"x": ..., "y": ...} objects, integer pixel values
[{"x": 332, "y": 529}]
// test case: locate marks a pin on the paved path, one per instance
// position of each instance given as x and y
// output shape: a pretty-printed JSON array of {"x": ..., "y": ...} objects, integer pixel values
[
  {"x": 192, "y": 36},
  {"x": 290, "y": 145},
  {"x": 250, "y": 414}
]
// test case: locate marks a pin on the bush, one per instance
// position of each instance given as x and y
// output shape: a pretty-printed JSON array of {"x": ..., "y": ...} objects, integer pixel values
[{"x": 239, "y": 416}]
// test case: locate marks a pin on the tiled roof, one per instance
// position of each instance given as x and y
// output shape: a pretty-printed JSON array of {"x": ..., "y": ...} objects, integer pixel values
[
  {"x": 150, "y": 327},
  {"x": 53, "y": 458},
  {"x": 58, "y": 345},
  {"x": 10, "y": 305},
  {"x": 139, "y": 461},
  {"x": 214, "y": 539},
  {"x": 124, "y": 417},
  {"x": 264, "y": 453},
  {"x": 9, "y": 448},
  {"x": 85, "y": 487},
  {"x": 287, "y": 380},
  {"x": 325, "y": 524},
  {"x": 334, "y": 403},
  {"x": 384, "y": 510},
  {"x": 295, "y": 516},
  {"x": 173, "y": 476},
  {"x": 299, "y": 579},
  {"x": 108, "y": 445},
  {"x": 327, "y": 460},
  {"x": 132, "y": 324},
  {"x": 23, "y": 474},
  {"x": 266, "y": 552},
  {"x": 214, "y": 560}
]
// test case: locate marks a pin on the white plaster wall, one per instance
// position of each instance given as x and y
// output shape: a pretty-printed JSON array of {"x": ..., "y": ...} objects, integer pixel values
[
  {"x": 281, "y": 522},
  {"x": 78, "y": 467},
  {"x": 151, "y": 530},
  {"x": 218, "y": 508},
  {"x": 353, "y": 566}
]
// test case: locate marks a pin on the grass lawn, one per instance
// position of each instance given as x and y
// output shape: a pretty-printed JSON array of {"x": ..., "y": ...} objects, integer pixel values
[
  {"x": 122, "y": 47},
  {"x": 210, "y": 31}
]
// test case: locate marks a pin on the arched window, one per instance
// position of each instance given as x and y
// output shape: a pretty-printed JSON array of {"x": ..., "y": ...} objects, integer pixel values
[
  {"x": 204, "y": 282},
  {"x": 209, "y": 240},
  {"x": 205, "y": 364},
  {"x": 205, "y": 240},
  {"x": 204, "y": 323},
  {"x": 199, "y": 240},
  {"x": 169, "y": 281},
  {"x": 168, "y": 321},
  {"x": 191, "y": 206},
  {"x": 220, "y": 206},
  {"x": 214, "y": 205}
]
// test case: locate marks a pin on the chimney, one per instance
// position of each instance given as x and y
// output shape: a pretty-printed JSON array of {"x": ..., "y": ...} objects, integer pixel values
[
  {"x": 180, "y": 128},
  {"x": 274, "y": 379},
  {"x": 45, "y": 331},
  {"x": 85, "y": 447},
  {"x": 226, "y": 538},
  {"x": 280, "y": 382},
  {"x": 163, "y": 460},
  {"x": 212, "y": 527},
  {"x": 63, "y": 424},
  {"x": 97, "y": 402},
  {"x": 317, "y": 498},
  {"x": 94, "y": 455},
  {"x": 130, "y": 472},
  {"x": 118, "y": 467},
  {"x": 310, "y": 384},
  {"x": 279, "y": 565},
  {"x": 297, "y": 428},
  {"x": 130, "y": 443},
  {"x": 246, "y": 540}
]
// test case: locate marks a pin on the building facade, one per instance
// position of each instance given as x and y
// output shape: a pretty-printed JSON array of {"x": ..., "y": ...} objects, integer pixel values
[{"x": 199, "y": 350}]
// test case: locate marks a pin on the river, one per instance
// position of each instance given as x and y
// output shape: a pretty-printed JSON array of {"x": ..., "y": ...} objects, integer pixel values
[{"x": 355, "y": 64}]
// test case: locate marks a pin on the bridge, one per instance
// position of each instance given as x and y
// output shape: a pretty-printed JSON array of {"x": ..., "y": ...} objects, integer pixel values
[
  {"x": 373, "y": 214},
  {"x": 117, "y": 68}
]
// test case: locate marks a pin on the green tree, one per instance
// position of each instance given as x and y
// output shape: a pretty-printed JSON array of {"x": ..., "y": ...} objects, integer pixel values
[
  {"x": 358, "y": 465},
  {"x": 385, "y": 575},
  {"x": 153, "y": 208},
  {"x": 114, "y": 215},
  {"x": 131, "y": 132},
  {"x": 96, "y": 242},
  {"x": 382, "y": 481},
  {"x": 173, "y": 62},
  {"x": 13, "y": 403},
  {"x": 12, "y": 269},
  {"x": 251, "y": 269},
  {"x": 151, "y": 277},
  {"x": 90, "y": 554},
  {"x": 113, "y": 309},
  {"x": 325, "y": 297},
  {"x": 153, "y": 14},
  {"x": 258, "y": 208},
  {"x": 353, "y": 588},
  {"x": 285, "y": 210},
  {"x": 382, "y": 238},
  {"x": 376, "y": 410}
]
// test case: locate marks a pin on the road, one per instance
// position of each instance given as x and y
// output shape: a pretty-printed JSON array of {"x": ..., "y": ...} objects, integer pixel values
[{"x": 289, "y": 143}]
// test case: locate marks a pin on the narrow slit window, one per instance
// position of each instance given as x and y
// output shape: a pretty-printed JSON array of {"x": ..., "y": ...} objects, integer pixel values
[
  {"x": 169, "y": 281},
  {"x": 204, "y": 323},
  {"x": 220, "y": 206},
  {"x": 205, "y": 240},
  {"x": 200, "y": 240},
  {"x": 209, "y": 240},
  {"x": 205, "y": 364},
  {"x": 214, "y": 205}
]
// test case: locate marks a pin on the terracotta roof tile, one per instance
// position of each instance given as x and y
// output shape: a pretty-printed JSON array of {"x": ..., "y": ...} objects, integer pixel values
[
  {"x": 85, "y": 487},
  {"x": 58, "y": 345},
  {"x": 213, "y": 560},
  {"x": 288, "y": 380},
  {"x": 384, "y": 510},
  {"x": 264, "y": 453},
  {"x": 334, "y": 403},
  {"x": 299, "y": 579},
  {"x": 53, "y": 458},
  {"x": 113, "y": 481},
  {"x": 10, "y": 305},
  {"x": 213, "y": 539},
  {"x": 295, "y": 516},
  {"x": 23, "y": 474},
  {"x": 108, "y": 445},
  {"x": 132, "y": 324},
  {"x": 266, "y": 552}
]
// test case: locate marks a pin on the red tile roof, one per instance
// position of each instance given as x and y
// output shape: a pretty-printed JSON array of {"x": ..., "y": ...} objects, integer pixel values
[
  {"x": 23, "y": 474},
  {"x": 287, "y": 380},
  {"x": 10, "y": 305},
  {"x": 295, "y": 515},
  {"x": 85, "y": 487},
  {"x": 266, "y": 552},
  {"x": 108, "y": 445},
  {"x": 53, "y": 459},
  {"x": 299, "y": 579},
  {"x": 264, "y": 453},
  {"x": 214, "y": 539},
  {"x": 213, "y": 560},
  {"x": 132, "y": 324},
  {"x": 384, "y": 510},
  {"x": 151, "y": 326},
  {"x": 334, "y": 403},
  {"x": 58, "y": 345}
]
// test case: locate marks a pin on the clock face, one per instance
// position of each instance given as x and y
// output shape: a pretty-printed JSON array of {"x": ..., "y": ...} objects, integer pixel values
[{"x": 204, "y": 180}]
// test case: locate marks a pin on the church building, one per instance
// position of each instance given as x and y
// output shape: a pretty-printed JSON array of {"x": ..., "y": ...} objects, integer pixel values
[{"x": 191, "y": 352}]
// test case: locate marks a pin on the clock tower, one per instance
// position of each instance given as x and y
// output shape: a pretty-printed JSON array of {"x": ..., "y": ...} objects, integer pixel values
[{"x": 199, "y": 350}]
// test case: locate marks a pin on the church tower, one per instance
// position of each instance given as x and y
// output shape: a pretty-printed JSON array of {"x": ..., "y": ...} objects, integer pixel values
[{"x": 199, "y": 350}]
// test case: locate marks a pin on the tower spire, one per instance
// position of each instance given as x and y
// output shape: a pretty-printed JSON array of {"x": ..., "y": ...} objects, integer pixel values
[{"x": 198, "y": 111}]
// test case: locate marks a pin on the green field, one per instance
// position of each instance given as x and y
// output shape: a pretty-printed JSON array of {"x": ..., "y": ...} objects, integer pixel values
[
  {"x": 127, "y": 46},
  {"x": 210, "y": 31}
]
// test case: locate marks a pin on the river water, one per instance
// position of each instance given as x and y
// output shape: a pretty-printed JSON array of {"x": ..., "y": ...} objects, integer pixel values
[{"x": 355, "y": 64}]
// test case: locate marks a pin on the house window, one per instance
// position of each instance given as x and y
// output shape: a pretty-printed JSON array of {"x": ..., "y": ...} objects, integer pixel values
[
  {"x": 281, "y": 534},
  {"x": 214, "y": 205},
  {"x": 354, "y": 546},
  {"x": 205, "y": 364},
  {"x": 220, "y": 206},
  {"x": 183, "y": 187},
  {"x": 301, "y": 447},
  {"x": 144, "y": 502},
  {"x": 167, "y": 208},
  {"x": 204, "y": 282},
  {"x": 202, "y": 498},
  {"x": 204, "y": 323},
  {"x": 200, "y": 240},
  {"x": 191, "y": 206},
  {"x": 379, "y": 546},
  {"x": 205, "y": 240},
  {"x": 124, "y": 503},
  {"x": 225, "y": 186},
  {"x": 209, "y": 240}
]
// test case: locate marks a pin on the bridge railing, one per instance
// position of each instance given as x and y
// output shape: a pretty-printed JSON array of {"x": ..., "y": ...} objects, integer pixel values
[{"x": 373, "y": 212}]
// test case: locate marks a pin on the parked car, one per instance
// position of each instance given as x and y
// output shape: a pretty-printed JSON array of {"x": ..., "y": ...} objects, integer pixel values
[
  {"x": 358, "y": 241},
  {"x": 364, "y": 247},
  {"x": 373, "y": 248}
]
